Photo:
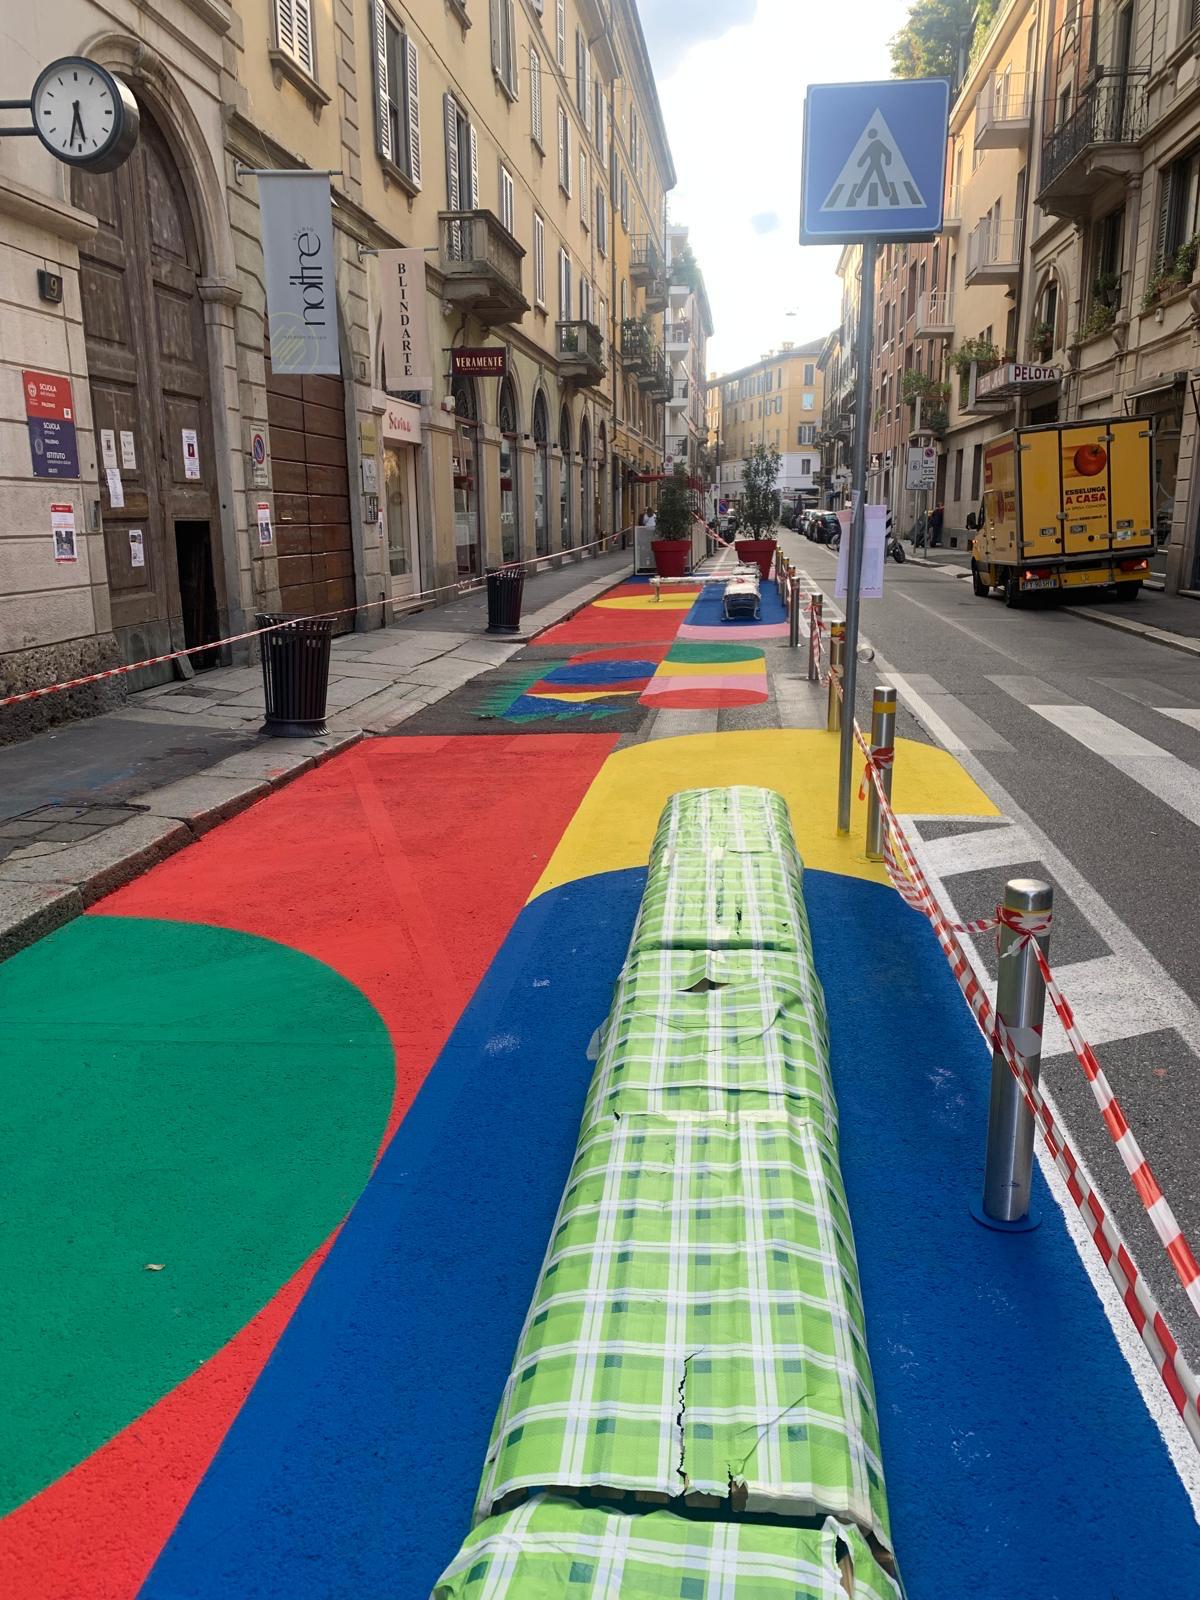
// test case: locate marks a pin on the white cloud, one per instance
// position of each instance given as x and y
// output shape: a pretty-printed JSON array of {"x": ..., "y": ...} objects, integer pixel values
[{"x": 734, "y": 109}]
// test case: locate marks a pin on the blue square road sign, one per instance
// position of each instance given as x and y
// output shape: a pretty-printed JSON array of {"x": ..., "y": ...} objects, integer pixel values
[{"x": 874, "y": 160}]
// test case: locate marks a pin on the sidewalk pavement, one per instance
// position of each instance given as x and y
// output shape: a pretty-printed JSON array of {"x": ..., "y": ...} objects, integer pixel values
[{"x": 88, "y": 806}]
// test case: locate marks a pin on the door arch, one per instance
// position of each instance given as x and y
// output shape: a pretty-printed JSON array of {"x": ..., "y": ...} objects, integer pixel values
[
  {"x": 510, "y": 491},
  {"x": 565, "y": 503},
  {"x": 149, "y": 378}
]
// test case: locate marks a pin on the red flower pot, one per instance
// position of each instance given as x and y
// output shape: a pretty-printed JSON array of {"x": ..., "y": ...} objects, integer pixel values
[
  {"x": 759, "y": 551},
  {"x": 671, "y": 557}
]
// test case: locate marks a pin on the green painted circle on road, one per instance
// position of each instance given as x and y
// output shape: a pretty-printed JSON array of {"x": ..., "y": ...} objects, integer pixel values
[
  {"x": 701, "y": 650},
  {"x": 171, "y": 1095}
]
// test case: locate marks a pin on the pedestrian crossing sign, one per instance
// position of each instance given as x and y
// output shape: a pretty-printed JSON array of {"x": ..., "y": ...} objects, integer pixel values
[{"x": 874, "y": 160}]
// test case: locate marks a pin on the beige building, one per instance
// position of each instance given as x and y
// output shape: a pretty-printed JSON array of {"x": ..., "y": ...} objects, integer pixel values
[
  {"x": 519, "y": 146},
  {"x": 778, "y": 403},
  {"x": 687, "y": 329}
]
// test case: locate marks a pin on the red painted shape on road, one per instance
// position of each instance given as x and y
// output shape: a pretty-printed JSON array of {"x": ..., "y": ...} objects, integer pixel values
[
  {"x": 651, "y": 623},
  {"x": 402, "y": 865}
]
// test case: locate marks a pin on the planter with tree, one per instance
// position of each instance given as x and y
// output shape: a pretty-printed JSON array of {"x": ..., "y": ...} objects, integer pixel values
[
  {"x": 760, "y": 506},
  {"x": 673, "y": 527}
]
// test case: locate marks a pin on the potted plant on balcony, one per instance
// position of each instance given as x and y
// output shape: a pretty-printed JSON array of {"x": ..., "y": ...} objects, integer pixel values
[
  {"x": 1041, "y": 342},
  {"x": 673, "y": 526},
  {"x": 760, "y": 506}
]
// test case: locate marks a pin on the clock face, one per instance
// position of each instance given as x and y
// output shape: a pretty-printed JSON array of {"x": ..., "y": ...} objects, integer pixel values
[{"x": 83, "y": 115}]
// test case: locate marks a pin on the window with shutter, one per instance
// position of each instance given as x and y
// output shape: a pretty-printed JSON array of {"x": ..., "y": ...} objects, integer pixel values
[
  {"x": 397, "y": 96},
  {"x": 453, "y": 118},
  {"x": 294, "y": 32},
  {"x": 598, "y": 96},
  {"x": 1193, "y": 15},
  {"x": 564, "y": 149},
  {"x": 588, "y": 95},
  {"x": 535, "y": 97},
  {"x": 386, "y": 116},
  {"x": 539, "y": 260},
  {"x": 507, "y": 200},
  {"x": 474, "y": 169},
  {"x": 585, "y": 193},
  {"x": 560, "y": 28},
  {"x": 564, "y": 286},
  {"x": 504, "y": 44},
  {"x": 601, "y": 221},
  {"x": 413, "y": 111},
  {"x": 581, "y": 72}
]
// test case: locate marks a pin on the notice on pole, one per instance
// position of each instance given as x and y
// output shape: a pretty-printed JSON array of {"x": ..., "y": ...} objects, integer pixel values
[
  {"x": 874, "y": 552},
  {"x": 62, "y": 526},
  {"x": 921, "y": 470},
  {"x": 116, "y": 489},
  {"x": 263, "y": 517},
  {"x": 128, "y": 451},
  {"x": 137, "y": 548},
  {"x": 191, "y": 453}
]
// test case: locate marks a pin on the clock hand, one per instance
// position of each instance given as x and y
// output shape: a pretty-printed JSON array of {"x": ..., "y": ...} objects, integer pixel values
[{"x": 76, "y": 122}]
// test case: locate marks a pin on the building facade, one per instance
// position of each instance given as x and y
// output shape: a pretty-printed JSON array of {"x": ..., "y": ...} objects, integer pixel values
[
  {"x": 687, "y": 329},
  {"x": 520, "y": 146},
  {"x": 777, "y": 403}
]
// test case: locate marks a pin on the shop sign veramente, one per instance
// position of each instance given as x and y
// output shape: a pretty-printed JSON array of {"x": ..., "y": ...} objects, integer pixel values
[{"x": 485, "y": 363}]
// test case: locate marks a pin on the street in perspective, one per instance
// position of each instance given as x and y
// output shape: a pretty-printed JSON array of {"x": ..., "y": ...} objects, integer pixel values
[{"x": 599, "y": 797}]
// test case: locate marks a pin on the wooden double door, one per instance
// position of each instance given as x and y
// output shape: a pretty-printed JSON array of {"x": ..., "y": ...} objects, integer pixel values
[{"x": 148, "y": 367}]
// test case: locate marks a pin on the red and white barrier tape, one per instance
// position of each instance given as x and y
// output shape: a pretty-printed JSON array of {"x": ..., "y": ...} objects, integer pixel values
[
  {"x": 1181, "y": 1383},
  {"x": 469, "y": 586},
  {"x": 880, "y": 760}
]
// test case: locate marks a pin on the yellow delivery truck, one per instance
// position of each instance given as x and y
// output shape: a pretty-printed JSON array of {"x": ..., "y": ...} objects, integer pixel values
[{"x": 1067, "y": 506}]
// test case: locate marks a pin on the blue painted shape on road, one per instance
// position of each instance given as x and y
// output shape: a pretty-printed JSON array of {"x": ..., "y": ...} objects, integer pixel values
[
  {"x": 595, "y": 674},
  {"x": 1020, "y": 1458},
  {"x": 873, "y": 163},
  {"x": 708, "y": 610}
]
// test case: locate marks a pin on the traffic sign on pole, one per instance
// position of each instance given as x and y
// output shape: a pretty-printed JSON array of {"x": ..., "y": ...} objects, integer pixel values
[{"x": 874, "y": 160}]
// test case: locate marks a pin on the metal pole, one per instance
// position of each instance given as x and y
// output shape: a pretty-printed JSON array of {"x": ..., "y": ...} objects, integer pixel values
[
  {"x": 837, "y": 661},
  {"x": 1020, "y": 1004},
  {"x": 858, "y": 468},
  {"x": 815, "y": 604},
  {"x": 794, "y": 615},
  {"x": 883, "y": 740}
]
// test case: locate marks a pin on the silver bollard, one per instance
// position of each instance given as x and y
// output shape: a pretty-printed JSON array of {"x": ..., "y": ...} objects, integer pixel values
[
  {"x": 837, "y": 653},
  {"x": 815, "y": 603},
  {"x": 883, "y": 740},
  {"x": 1021, "y": 1004},
  {"x": 794, "y": 614}
]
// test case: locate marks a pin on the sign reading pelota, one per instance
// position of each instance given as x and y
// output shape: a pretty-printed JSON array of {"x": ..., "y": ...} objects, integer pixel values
[{"x": 486, "y": 363}]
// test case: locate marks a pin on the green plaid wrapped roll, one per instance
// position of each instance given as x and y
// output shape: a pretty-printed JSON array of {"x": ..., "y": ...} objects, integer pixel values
[
  {"x": 740, "y": 817},
  {"x": 554, "y": 1549},
  {"x": 697, "y": 1328},
  {"x": 722, "y": 899},
  {"x": 724, "y": 1032}
]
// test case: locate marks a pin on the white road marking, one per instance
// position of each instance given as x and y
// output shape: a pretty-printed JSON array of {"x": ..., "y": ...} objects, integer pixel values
[
  {"x": 1002, "y": 846},
  {"x": 1189, "y": 715},
  {"x": 1157, "y": 771},
  {"x": 922, "y": 710},
  {"x": 1026, "y": 690}
]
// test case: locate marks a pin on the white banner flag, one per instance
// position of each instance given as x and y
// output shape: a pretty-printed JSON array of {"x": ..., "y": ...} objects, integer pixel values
[
  {"x": 405, "y": 320},
  {"x": 297, "y": 237},
  {"x": 874, "y": 552}
]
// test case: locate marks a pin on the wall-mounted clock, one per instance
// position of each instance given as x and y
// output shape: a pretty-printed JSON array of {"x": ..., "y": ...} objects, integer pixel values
[{"x": 83, "y": 115}]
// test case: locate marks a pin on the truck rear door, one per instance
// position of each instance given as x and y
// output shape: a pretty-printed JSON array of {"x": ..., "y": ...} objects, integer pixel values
[
  {"x": 1087, "y": 489},
  {"x": 1040, "y": 505},
  {"x": 1131, "y": 453}
]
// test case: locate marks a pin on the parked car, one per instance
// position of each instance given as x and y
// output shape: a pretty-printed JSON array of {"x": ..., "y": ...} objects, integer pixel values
[{"x": 828, "y": 529}]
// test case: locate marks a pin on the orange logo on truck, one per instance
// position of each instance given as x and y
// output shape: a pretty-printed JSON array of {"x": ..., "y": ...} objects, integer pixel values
[{"x": 1090, "y": 460}]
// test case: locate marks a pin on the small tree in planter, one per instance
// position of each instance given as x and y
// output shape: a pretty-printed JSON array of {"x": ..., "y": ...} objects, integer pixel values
[
  {"x": 760, "y": 505},
  {"x": 673, "y": 526}
]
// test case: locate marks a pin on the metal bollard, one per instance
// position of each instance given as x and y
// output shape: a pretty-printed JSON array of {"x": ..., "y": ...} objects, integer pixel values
[
  {"x": 793, "y": 614},
  {"x": 883, "y": 738},
  {"x": 815, "y": 603},
  {"x": 837, "y": 653},
  {"x": 1020, "y": 1004}
]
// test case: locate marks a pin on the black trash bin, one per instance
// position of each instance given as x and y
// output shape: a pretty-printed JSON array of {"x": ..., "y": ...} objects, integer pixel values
[
  {"x": 505, "y": 588},
  {"x": 295, "y": 663}
]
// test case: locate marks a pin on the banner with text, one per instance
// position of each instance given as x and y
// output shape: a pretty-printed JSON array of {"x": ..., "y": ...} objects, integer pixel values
[
  {"x": 405, "y": 320},
  {"x": 297, "y": 236}
]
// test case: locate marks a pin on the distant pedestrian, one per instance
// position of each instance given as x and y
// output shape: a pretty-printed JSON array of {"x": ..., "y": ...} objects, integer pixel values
[
  {"x": 652, "y": 521},
  {"x": 936, "y": 520}
]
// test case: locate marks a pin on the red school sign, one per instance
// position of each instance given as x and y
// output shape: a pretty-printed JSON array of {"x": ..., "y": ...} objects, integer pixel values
[{"x": 48, "y": 395}]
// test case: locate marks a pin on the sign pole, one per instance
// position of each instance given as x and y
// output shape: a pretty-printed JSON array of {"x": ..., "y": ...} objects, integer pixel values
[{"x": 858, "y": 469}]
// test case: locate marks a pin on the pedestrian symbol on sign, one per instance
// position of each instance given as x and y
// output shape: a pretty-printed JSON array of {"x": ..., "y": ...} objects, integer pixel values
[{"x": 875, "y": 176}]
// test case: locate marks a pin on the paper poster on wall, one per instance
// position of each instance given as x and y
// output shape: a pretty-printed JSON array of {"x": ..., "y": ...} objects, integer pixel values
[
  {"x": 116, "y": 490},
  {"x": 62, "y": 526},
  {"x": 263, "y": 513},
  {"x": 137, "y": 548},
  {"x": 128, "y": 451},
  {"x": 108, "y": 449},
  {"x": 191, "y": 453}
]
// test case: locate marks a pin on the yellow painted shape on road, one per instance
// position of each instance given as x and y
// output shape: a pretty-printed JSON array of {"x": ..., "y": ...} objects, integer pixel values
[
  {"x": 615, "y": 824},
  {"x": 672, "y": 600},
  {"x": 578, "y": 696},
  {"x": 708, "y": 669}
]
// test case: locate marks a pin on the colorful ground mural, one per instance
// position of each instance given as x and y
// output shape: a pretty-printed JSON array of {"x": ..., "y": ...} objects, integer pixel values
[{"x": 373, "y": 994}]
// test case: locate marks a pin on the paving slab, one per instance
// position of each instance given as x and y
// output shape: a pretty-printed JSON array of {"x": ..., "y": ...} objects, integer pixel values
[
  {"x": 29, "y": 911},
  {"x": 102, "y": 863},
  {"x": 203, "y": 801}
]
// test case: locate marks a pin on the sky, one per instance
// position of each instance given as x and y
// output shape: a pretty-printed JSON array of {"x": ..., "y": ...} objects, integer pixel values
[{"x": 731, "y": 77}]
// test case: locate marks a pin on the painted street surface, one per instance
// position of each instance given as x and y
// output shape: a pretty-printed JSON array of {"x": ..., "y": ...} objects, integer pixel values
[{"x": 307, "y": 1102}]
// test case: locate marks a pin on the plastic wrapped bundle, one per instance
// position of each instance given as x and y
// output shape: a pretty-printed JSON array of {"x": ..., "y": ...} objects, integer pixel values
[
  {"x": 697, "y": 1329},
  {"x": 551, "y": 1548},
  {"x": 721, "y": 1031},
  {"x": 738, "y": 817}
]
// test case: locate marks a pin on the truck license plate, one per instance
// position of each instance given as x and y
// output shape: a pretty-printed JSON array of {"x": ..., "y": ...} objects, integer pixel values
[{"x": 1040, "y": 583}]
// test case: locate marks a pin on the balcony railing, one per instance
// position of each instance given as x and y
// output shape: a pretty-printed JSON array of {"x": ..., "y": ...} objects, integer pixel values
[
  {"x": 1002, "y": 112},
  {"x": 952, "y": 217},
  {"x": 481, "y": 264},
  {"x": 994, "y": 251},
  {"x": 645, "y": 260},
  {"x": 637, "y": 345},
  {"x": 680, "y": 390},
  {"x": 1112, "y": 112},
  {"x": 679, "y": 333},
  {"x": 935, "y": 315},
  {"x": 657, "y": 377},
  {"x": 580, "y": 352}
]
